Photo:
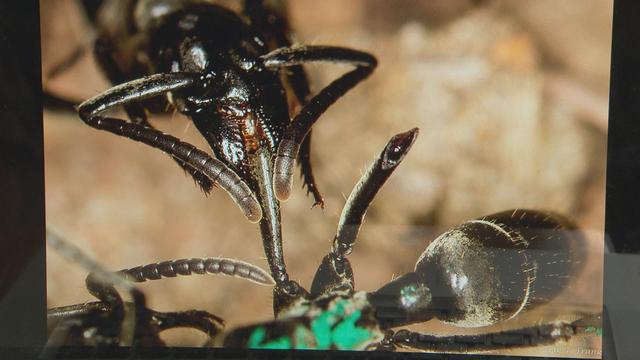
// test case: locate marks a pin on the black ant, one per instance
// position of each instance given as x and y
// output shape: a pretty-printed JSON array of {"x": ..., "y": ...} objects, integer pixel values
[
  {"x": 226, "y": 78},
  {"x": 225, "y": 72},
  {"x": 481, "y": 272},
  {"x": 111, "y": 321}
]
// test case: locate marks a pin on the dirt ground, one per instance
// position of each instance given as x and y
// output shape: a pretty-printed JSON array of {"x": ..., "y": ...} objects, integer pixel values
[{"x": 511, "y": 101}]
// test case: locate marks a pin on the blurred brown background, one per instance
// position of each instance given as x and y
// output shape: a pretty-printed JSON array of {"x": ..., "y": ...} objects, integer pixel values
[{"x": 511, "y": 98}]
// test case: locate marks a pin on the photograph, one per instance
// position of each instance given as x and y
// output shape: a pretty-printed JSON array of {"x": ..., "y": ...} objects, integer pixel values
[{"x": 412, "y": 176}]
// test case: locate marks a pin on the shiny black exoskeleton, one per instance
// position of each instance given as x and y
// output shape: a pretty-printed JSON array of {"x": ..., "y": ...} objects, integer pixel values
[
  {"x": 487, "y": 270},
  {"x": 113, "y": 322},
  {"x": 223, "y": 70},
  {"x": 479, "y": 273}
]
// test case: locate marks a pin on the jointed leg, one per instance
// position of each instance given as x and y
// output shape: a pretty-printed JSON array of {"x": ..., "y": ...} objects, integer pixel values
[
  {"x": 273, "y": 22},
  {"x": 119, "y": 323},
  {"x": 151, "y": 86},
  {"x": 108, "y": 315},
  {"x": 114, "y": 323},
  {"x": 194, "y": 319},
  {"x": 149, "y": 322},
  {"x": 544, "y": 334},
  {"x": 335, "y": 270},
  {"x": 103, "y": 51},
  {"x": 309, "y": 181},
  {"x": 136, "y": 324},
  {"x": 69, "y": 322},
  {"x": 304, "y": 120},
  {"x": 66, "y": 63},
  {"x": 66, "y": 325},
  {"x": 298, "y": 81}
]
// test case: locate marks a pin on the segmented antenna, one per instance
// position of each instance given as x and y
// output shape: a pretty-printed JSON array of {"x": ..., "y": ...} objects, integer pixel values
[{"x": 200, "y": 266}]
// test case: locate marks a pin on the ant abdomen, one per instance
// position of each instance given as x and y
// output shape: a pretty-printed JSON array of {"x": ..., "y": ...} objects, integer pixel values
[{"x": 487, "y": 270}]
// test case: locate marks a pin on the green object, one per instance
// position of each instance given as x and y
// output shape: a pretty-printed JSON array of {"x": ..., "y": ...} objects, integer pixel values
[
  {"x": 347, "y": 335},
  {"x": 593, "y": 329},
  {"x": 321, "y": 329},
  {"x": 331, "y": 328},
  {"x": 257, "y": 336}
]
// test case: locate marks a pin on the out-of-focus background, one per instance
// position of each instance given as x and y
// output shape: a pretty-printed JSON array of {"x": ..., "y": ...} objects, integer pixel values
[{"x": 511, "y": 99}]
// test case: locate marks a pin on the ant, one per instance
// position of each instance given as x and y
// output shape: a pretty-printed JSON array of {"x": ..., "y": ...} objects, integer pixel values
[
  {"x": 481, "y": 272},
  {"x": 111, "y": 321},
  {"x": 230, "y": 84},
  {"x": 229, "y": 74}
]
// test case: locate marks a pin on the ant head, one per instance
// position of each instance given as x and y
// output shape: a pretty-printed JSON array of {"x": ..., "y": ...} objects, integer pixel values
[{"x": 233, "y": 118}]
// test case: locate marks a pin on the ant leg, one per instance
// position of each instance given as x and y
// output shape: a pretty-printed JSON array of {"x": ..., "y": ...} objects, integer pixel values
[
  {"x": 57, "y": 314},
  {"x": 114, "y": 323},
  {"x": 273, "y": 22},
  {"x": 151, "y": 86},
  {"x": 150, "y": 322},
  {"x": 103, "y": 50},
  {"x": 304, "y": 120},
  {"x": 544, "y": 334},
  {"x": 194, "y": 319},
  {"x": 308, "y": 180},
  {"x": 210, "y": 324},
  {"x": 54, "y": 102},
  {"x": 200, "y": 320},
  {"x": 335, "y": 270},
  {"x": 64, "y": 320},
  {"x": 66, "y": 324},
  {"x": 137, "y": 115},
  {"x": 136, "y": 323},
  {"x": 66, "y": 63},
  {"x": 300, "y": 84}
]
